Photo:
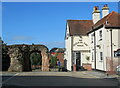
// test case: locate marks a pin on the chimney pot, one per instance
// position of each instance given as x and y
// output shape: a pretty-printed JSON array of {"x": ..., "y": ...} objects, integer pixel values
[
  {"x": 105, "y": 10},
  {"x": 96, "y": 14}
]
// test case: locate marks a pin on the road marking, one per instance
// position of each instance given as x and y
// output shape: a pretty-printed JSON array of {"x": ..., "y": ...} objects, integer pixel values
[{"x": 10, "y": 78}]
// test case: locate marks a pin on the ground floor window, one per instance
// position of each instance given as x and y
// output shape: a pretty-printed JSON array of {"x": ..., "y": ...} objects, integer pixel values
[
  {"x": 92, "y": 57},
  {"x": 101, "y": 55}
]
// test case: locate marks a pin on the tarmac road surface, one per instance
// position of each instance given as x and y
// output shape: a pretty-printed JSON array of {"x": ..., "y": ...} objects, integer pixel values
[{"x": 37, "y": 79}]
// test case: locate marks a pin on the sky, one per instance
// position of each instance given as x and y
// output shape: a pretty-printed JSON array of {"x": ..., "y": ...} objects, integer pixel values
[{"x": 43, "y": 22}]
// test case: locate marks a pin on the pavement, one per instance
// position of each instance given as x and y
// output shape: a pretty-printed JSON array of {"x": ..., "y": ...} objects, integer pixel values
[
  {"x": 99, "y": 74},
  {"x": 79, "y": 74}
]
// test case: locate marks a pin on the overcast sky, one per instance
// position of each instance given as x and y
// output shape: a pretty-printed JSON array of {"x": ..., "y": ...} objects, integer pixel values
[{"x": 43, "y": 22}]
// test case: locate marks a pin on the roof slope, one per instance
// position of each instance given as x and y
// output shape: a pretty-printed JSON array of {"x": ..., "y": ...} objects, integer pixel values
[
  {"x": 79, "y": 27},
  {"x": 111, "y": 20}
]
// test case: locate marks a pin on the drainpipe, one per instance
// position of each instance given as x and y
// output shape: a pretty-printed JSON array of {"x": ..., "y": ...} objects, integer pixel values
[
  {"x": 95, "y": 50},
  {"x": 111, "y": 49},
  {"x": 71, "y": 53}
]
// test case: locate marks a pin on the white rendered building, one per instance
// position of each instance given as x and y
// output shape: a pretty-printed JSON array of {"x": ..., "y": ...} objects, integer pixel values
[
  {"x": 92, "y": 38},
  {"x": 104, "y": 38}
]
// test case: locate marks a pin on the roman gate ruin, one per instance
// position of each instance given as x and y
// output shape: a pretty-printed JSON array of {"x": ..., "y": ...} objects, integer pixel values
[{"x": 19, "y": 57}]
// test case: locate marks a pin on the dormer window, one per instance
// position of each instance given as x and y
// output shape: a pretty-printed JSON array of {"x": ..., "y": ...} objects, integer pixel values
[
  {"x": 107, "y": 22},
  {"x": 100, "y": 34}
]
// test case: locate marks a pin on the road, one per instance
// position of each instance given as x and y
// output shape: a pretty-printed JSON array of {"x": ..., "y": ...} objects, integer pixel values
[{"x": 37, "y": 79}]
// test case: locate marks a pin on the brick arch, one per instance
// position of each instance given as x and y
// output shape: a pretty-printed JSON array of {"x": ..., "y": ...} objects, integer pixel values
[{"x": 20, "y": 57}]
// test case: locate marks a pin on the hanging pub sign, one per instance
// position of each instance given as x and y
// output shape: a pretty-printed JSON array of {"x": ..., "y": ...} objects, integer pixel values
[{"x": 117, "y": 53}]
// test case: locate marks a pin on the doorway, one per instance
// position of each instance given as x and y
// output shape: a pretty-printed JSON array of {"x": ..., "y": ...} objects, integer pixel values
[
  {"x": 5, "y": 62},
  {"x": 78, "y": 58}
]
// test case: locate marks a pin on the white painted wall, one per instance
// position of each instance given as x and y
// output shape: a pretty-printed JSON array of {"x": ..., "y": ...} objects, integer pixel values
[
  {"x": 91, "y": 47},
  {"x": 81, "y": 43},
  {"x": 76, "y": 43},
  {"x": 83, "y": 56},
  {"x": 105, "y": 46},
  {"x": 116, "y": 39},
  {"x": 107, "y": 41},
  {"x": 99, "y": 48},
  {"x": 68, "y": 49},
  {"x": 68, "y": 53}
]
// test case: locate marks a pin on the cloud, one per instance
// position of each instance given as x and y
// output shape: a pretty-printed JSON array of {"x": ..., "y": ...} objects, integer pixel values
[{"x": 22, "y": 38}]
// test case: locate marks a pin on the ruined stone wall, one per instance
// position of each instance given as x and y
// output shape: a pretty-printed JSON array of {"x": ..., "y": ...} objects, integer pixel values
[
  {"x": 20, "y": 57},
  {"x": 16, "y": 57}
]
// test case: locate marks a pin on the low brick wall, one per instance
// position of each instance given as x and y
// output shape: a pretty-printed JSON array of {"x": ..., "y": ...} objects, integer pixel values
[
  {"x": 87, "y": 66},
  {"x": 111, "y": 65}
]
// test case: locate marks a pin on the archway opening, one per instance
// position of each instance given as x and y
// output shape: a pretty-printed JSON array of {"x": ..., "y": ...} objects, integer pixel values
[
  {"x": 36, "y": 61},
  {"x": 5, "y": 62}
]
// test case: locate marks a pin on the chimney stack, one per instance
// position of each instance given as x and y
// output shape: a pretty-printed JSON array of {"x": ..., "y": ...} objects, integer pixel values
[
  {"x": 105, "y": 10},
  {"x": 96, "y": 14}
]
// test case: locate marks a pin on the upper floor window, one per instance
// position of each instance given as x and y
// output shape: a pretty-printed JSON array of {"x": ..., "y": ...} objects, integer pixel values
[
  {"x": 100, "y": 34},
  {"x": 92, "y": 38}
]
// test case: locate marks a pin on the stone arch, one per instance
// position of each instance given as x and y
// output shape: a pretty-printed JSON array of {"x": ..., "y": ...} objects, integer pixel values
[
  {"x": 20, "y": 57},
  {"x": 44, "y": 52},
  {"x": 40, "y": 55}
]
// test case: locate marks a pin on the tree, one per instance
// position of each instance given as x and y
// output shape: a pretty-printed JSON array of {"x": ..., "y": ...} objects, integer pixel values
[
  {"x": 53, "y": 60},
  {"x": 36, "y": 59}
]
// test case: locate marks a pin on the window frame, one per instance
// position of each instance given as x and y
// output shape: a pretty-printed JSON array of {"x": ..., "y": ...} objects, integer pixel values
[
  {"x": 92, "y": 38},
  {"x": 101, "y": 56},
  {"x": 100, "y": 34}
]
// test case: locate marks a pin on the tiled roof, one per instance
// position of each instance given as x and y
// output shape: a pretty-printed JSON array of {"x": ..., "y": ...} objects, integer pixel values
[
  {"x": 79, "y": 27},
  {"x": 112, "y": 20},
  {"x": 82, "y": 27}
]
